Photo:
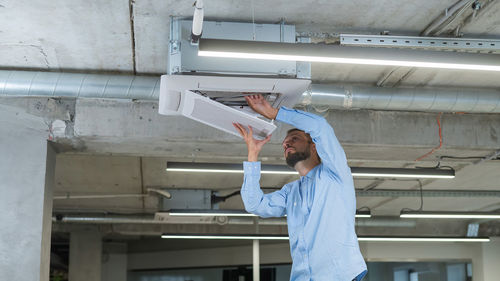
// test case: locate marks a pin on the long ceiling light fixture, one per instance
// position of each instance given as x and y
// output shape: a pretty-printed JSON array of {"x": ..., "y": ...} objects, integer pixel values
[
  {"x": 361, "y": 239},
  {"x": 231, "y": 213},
  {"x": 424, "y": 239},
  {"x": 347, "y": 54},
  {"x": 225, "y": 236},
  {"x": 450, "y": 215},
  {"x": 209, "y": 213},
  {"x": 285, "y": 170}
]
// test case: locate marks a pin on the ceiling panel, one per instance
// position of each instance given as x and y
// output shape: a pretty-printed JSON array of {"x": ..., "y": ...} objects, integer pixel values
[
  {"x": 97, "y": 174},
  {"x": 487, "y": 24},
  {"x": 484, "y": 176},
  {"x": 59, "y": 34},
  {"x": 152, "y": 27}
]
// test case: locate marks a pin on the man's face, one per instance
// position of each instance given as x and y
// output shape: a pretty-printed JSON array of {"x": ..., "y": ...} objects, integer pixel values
[{"x": 296, "y": 147}]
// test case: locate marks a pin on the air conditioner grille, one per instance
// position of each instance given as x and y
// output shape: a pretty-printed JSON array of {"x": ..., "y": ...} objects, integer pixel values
[{"x": 209, "y": 112}]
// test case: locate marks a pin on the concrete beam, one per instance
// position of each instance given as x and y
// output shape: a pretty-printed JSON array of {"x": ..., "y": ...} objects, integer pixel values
[{"x": 135, "y": 128}]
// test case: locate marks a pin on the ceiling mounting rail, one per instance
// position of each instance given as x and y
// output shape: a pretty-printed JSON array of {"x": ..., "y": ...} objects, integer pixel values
[{"x": 438, "y": 43}]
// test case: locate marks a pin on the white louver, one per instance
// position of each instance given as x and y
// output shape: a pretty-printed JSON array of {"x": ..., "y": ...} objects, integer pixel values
[{"x": 218, "y": 101}]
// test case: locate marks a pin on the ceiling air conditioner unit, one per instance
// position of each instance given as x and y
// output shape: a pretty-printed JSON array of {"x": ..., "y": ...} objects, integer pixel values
[{"x": 218, "y": 101}]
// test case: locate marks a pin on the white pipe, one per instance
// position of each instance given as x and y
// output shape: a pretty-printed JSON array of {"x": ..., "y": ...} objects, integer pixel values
[
  {"x": 256, "y": 261},
  {"x": 98, "y": 196},
  {"x": 161, "y": 192},
  {"x": 197, "y": 22},
  {"x": 106, "y": 196}
]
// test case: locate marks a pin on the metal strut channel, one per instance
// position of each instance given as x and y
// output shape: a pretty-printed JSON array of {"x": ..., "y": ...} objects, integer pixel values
[{"x": 438, "y": 43}]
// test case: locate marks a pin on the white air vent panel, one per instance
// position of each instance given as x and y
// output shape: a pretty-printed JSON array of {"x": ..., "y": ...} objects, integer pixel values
[
  {"x": 218, "y": 101},
  {"x": 215, "y": 114}
]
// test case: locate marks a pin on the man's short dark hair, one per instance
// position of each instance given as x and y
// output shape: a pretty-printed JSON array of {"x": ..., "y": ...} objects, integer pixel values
[{"x": 295, "y": 129}]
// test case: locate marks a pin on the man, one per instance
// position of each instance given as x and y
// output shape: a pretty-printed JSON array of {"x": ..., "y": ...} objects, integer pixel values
[{"x": 320, "y": 206}]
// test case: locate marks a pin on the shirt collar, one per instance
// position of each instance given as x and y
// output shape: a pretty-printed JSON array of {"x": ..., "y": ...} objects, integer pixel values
[{"x": 311, "y": 173}]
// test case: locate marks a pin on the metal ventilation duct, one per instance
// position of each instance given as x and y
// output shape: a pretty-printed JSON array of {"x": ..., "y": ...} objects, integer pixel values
[
  {"x": 80, "y": 85},
  {"x": 405, "y": 99}
]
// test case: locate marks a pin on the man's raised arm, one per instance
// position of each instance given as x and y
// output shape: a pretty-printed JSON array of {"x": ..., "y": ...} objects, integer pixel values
[
  {"x": 327, "y": 145},
  {"x": 256, "y": 202}
]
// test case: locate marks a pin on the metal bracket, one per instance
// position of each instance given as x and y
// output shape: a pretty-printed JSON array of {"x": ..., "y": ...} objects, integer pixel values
[
  {"x": 175, "y": 47},
  {"x": 455, "y": 44}
]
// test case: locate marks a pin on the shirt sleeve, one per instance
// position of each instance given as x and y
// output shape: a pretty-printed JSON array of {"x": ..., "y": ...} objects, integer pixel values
[
  {"x": 327, "y": 145},
  {"x": 256, "y": 202}
]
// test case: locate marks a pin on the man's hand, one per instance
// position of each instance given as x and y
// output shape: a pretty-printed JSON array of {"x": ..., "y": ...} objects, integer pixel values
[
  {"x": 254, "y": 146},
  {"x": 260, "y": 105}
]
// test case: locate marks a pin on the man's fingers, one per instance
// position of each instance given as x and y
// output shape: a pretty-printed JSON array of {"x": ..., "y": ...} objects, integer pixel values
[
  {"x": 253, "y": 97},
  {"x": 240, "y": 129},
  {"x": 237, "y": 128},
  {"x": 250, "y": 131}
]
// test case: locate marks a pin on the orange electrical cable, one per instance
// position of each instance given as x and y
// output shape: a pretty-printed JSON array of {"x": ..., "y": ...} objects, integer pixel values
[{"x": 440, "y": 139}]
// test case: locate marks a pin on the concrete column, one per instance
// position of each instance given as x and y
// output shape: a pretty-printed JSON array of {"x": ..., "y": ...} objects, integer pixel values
[
  {"x": 114, "y": 262},
  {"x": 85, "y": 255},
  {"x": 26, "y": 182},
  {"x": 491, "y": 260}
]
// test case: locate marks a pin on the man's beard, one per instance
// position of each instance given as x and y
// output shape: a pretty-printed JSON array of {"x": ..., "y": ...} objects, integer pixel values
[{"x": 294, "y": 158}]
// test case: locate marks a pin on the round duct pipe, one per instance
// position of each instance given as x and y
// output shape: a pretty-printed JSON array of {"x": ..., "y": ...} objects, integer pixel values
[
  {"x": 405, "y": 99},
  {"x": 80, "y": 85}
]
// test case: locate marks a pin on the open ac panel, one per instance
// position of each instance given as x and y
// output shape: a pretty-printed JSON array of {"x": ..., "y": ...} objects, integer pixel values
[
  {"x": 212, "y": 90},
  {"x": 218, "y": 101}
]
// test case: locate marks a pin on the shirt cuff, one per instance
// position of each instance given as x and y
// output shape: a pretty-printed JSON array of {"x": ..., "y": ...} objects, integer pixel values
[{"x": 251, "y": 168}]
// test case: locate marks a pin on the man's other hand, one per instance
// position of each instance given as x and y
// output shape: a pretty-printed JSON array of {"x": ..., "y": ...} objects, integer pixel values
[
  {"x": 254, "y": 146},
  {"x": 260, "y": 105}
]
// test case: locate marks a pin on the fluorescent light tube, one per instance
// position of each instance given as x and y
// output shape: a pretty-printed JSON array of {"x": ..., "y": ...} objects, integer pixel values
[
  {"x": 225, "y": 168},
  {"x": 285, "y": 170},
  {"x": 229, "y": 171},
  {"x": 450, "y": 215},
  {"x": 424, "y": 239},
  {"x": 363, "y": 214},
  {"x": 402, "y": 173},
  {"x": 208, "y": 213},
  {"x": 363, "y": 239},
  {"x": 347, "y": 54},
  {"x": 227, "y": 237}
]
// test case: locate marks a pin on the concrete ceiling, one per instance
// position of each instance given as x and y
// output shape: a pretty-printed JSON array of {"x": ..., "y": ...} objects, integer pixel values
[{"x": 121, "y": 146}]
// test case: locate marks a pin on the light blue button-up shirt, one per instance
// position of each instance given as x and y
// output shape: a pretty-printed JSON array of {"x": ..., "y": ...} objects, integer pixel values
[{"x": 320, "y": 207}]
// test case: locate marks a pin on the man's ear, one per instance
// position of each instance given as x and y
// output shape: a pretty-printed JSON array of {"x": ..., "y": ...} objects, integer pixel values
[
  {"x": 314, "y": 151},
  {"x": 313, "y": 146}
]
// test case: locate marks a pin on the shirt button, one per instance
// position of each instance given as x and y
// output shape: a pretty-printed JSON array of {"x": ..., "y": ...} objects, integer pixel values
[{"x": 295, "y": 203}]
